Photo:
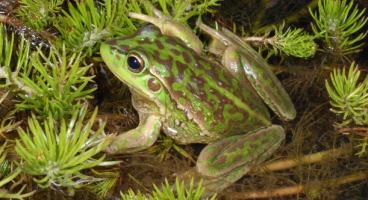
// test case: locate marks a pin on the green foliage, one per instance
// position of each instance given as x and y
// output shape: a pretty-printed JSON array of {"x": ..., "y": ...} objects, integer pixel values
[
  {"x": 85, "y": 24},
  {"x": 179, "y": 10},
  {"x": 39, "y": 14},
  {"x": 293, "y": 42},
  {"x": 164, "y": 144},
  {"x": 183, "y": 10},
  {"x": 339, "y": 25},
  {"x": 180, "y": 192},
  {"x": 10, "y": 61},
  {"x": 6, "y": 47},
  {"x": 57, "y": 85},
  {"x": 8, "y": 177},
  {"x": 349, "y": 97},
  {"x": 56, "y": 153},
  {"x": 362, "y": 146},
  {"x": 108, "y": 181}
]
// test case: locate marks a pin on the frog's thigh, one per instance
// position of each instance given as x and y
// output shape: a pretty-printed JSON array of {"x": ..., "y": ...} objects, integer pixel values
[
  {"x": 237, "y": 154},
  {"x": 139, "y": 138}
]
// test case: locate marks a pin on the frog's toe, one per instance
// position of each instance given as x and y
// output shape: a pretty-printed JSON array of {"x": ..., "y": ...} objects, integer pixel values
[
  {"x": 111, "y": 149},
  {"x": 192, "y": 178}
]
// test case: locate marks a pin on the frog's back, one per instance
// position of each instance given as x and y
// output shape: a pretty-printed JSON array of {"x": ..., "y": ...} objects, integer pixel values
[{"x": 203, "y": 90}]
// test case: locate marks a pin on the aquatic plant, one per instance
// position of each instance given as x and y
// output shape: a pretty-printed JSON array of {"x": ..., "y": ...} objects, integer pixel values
[
  {"x": 179, "y": 192},
  {"x": 164, "y": 145},
  {"x": 286, "y": 41},
  {"x": 7, "y": 175},
  {"x": 39, "y": 14},
  {"x": 93, "y": 22},
  {"x": 108, "y": 180},
  {"x": 86, "y": 23},
  {"x": 183, "y": 10},
  {"x": 57, "y": 152},
  {"x": 349, "y": 96},
  {"x": 57, "y": 83},
  {"x": 339, "y": 25},
  {"x": 349, "y": 99},
  {"x": 10, "y": 59}
]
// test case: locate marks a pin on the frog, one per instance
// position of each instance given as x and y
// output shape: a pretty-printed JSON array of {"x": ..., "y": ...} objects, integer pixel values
[{"x": 178, "y": 89}]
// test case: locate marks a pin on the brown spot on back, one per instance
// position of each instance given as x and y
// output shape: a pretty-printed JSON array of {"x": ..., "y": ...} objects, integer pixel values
[
  {"x": 173, "y": 41},
  {"x": 186, "y": 57},
  {"x": 180, "y": 66},
  {"x": 159, "y": 44},
  {"x": 121, "y": 48},
  {"x": 175, "y": 51}
]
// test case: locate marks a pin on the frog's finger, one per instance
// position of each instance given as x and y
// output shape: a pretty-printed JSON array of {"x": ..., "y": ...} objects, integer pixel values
[
  {"x": 239, "y": 152},
  {"x": 216, "y": 47},
  {"x": 172, "y": 28},
  {"x": 216, "y": 35}
]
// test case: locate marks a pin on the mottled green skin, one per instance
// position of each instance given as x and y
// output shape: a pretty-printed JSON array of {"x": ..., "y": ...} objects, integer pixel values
[
  {"x": 199, "y": 98},
  {"x": 194, "y": 100}
]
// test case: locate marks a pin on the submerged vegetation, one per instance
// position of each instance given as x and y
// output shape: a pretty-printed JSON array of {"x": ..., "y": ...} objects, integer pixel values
[
  {"x": 53, "y": 79},
  {"x": 338, "y": 24},
  {"x": 59, "y": 151},
  {"x": 179, "y": 192},
  {"x": 349, "y": 100}
]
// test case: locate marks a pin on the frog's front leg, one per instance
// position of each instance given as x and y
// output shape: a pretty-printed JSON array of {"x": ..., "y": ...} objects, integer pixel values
[
  {"x": 222, "y": 163},
  {"x": 139, "y": 138},
  {"x": 169, "y": 26}
]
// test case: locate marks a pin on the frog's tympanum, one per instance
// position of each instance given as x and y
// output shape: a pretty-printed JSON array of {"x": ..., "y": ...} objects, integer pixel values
[{"x": 193, "y": 99}]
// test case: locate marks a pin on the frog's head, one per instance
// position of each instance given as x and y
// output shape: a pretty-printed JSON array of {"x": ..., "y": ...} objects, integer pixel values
[{"x": 131, "y": 59}]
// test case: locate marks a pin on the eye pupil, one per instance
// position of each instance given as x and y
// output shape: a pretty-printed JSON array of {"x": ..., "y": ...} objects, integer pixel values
[{"x": 135, "y": 63}]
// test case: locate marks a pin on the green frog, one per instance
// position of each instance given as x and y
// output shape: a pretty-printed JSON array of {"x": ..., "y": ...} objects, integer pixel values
[{"x": 181, "y": 91}]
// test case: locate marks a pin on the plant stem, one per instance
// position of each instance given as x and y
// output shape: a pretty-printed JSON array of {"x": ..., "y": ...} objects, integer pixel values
[
  {"x": 362, "y": 131},
  {"x": 253, "y": 39},
  {"x": 257, "y": 39},
  {"x": 307, "y": 159},
  {"x": 12, "y": 77},
  {"x": 301, "y": 188},
  {"x": 16, "y": 23},
  {"x": 10, "y": 21}
]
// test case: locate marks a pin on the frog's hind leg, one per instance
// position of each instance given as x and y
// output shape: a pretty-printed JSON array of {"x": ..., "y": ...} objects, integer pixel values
[
  {"x": 224, "y": 162},
  {"x": 247, "y": 65}
]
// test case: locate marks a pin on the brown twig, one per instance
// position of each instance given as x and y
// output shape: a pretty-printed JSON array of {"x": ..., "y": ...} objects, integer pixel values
[
  {"x": 16, "y": 23},
  {"x": 10, "y": 21},
  {"x": 307, "y": 159},
  {"x": 301, "y": 188},
  {"x": 362, "y": 131}
]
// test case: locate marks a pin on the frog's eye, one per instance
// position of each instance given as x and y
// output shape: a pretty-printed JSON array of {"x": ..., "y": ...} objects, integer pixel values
[{"x": 135, "y": 63}]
